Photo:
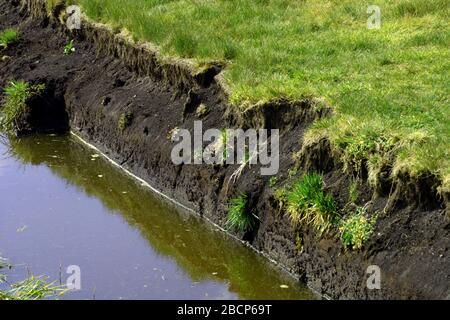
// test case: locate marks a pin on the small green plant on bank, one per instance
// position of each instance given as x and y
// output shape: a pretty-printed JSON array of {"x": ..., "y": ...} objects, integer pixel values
[
  {"x": 8, "y": 37},
  {"x": 224, "y": 143},
  {"x": 292, "y": 172},
  {"x": 357, "y": 228},
  {"x": 202, "y": 110},
  {"x": 307, "y": 203},
  {"x": 238, "y": 216},
  {"x": 69, "y": 48},
  {"x": 273, "y": 181},
  {"x": 125, "y": 120},
  {"x": 353, "y": 193},
  {"x": 280, "y": 196},
  {"x": 247, "y": 157},
  {"x": 15, "y": 104}
]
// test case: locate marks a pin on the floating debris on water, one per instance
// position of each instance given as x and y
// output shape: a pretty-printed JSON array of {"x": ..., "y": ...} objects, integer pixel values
[{"x": 22, "y": 229}]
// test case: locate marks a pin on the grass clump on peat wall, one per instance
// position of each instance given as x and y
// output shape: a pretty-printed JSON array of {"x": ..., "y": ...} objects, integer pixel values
[
  {"x": 306, "y": 202},
  {"x": 353, "y": 193},
  {"x": 387, "y": 85},
  {"x": 125, "y": 120},
  {"x": 357, "y": 228},
  {"x": 69, "y": 48},
  {"x": 238, "y": 215},
  {"x": 273, "y": 181},
  {"x": 202, "y": 110},
  {"x": 17, "y": 94},
  {"x": 8, "y": 37}
]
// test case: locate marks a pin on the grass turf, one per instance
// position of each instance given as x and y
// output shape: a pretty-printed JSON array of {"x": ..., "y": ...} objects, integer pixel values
[
  {"x": 389, "y": 86},
  {"x": 8, "y": 37}
]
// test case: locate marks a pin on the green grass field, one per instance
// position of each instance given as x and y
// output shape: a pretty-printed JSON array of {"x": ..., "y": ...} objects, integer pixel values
[{"x": 389, "y": 86}]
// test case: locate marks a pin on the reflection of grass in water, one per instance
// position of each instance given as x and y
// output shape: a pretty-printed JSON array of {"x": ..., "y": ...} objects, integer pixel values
[{"x": 199, "y": 250}]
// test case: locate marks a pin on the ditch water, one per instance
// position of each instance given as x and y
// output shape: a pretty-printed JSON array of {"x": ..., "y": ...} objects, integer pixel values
[{"x": 62, "y": 204}]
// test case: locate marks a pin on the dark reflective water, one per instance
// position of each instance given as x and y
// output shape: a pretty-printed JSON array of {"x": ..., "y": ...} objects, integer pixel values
[{"x": 61, "y": 205}]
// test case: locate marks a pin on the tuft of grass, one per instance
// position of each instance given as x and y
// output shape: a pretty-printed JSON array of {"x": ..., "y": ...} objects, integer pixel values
[
  {"x": 306, "y": 202},
  {"x": 299, "y": 243},
  {"x": 125, "y": 120},
  {"x": 273, "y": 181},
  {"x": 357, "y": 228},
  {"x": 280, "y": 196},
  {"x": 385, "y": 84},
  {"x": 33, "y": 288},
  {"x": 69, "y": 48},
  {"x": 202, "y": 110},
  {"x": 185, "y": 44},
  {"x": 292, "y": 172},
  {"x": 238, "y": 216},
  {"x": 230, "y": 51},
  {"x": 353, "y": 193},
  {"x": 224, "y": 139},
  {"x": 15, "y": 104},
  {"x": 8, "y": 37}
]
